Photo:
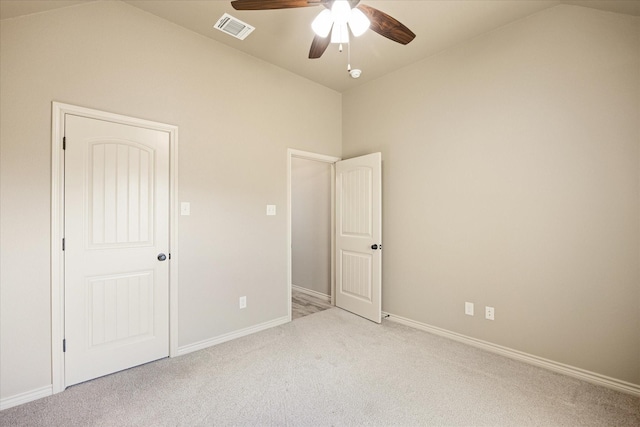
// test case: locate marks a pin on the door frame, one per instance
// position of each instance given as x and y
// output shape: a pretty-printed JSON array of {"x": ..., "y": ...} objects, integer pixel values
[
  {"x": 58, "y": 112},
  {"x": 331, "y": 160}
]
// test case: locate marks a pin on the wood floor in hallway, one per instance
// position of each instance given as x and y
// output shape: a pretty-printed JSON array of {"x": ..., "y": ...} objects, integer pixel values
[{"x": 303, "y": 304}]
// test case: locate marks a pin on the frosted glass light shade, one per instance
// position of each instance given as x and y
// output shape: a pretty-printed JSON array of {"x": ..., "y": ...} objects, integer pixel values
[
  {"x": 341, "y": 11},
  {"x": 358, "y": 22},
  {"x": 322, "y": 24},
  {"x": 340, "y": 34}
]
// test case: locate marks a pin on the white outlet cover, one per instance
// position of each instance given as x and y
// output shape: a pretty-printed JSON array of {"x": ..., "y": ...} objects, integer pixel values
[
  {"x": 185, "y": 208},
  {"x": 243, "y": 302},
  {"x": 489, "y": 313},
  {"x": 271, "y": 210}
]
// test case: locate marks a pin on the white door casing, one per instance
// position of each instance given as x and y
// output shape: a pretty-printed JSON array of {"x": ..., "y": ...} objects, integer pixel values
[
  {"x": 358, "y": 232},
  {"x": 116, "y": 223}
]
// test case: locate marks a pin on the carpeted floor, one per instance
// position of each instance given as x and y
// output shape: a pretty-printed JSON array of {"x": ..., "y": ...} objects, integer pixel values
[{"x": 333, "y": 368}]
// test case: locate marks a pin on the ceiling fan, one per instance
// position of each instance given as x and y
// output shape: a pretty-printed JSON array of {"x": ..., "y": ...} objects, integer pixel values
[{"x": 338, "y": 19}]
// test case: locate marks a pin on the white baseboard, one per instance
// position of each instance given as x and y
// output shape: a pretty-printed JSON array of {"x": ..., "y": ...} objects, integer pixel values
[
  {"x": 313, "y": 293},
  {"x": 571, "y": 371},
  {"x": 232, "y": 335},
  {"x": 27, "y": 396}
]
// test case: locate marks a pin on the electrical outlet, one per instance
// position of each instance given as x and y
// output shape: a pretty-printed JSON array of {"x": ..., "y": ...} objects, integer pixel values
[
  {"x": 243, "y": 302},
  {"x": 271, "y": 210},
  {"x": 489, "y": 313},
  {"x": 468, "y": 308}
]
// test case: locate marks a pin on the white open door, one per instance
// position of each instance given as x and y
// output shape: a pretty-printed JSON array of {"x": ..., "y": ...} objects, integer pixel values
[
  {"x": 116, "y": 241},
  {"x": 359, "y": 236}
]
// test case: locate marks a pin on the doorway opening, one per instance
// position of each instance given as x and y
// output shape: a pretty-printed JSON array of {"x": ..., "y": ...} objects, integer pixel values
[{"x": 311, "y": 231}]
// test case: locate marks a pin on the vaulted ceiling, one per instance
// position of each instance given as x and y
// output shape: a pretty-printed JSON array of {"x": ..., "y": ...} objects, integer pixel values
[{"x": 283, "y": 37}]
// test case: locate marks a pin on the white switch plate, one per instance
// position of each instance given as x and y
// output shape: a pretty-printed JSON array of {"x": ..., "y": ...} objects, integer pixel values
[
  {"x": 185, "y": 208},
  {"x": 468, "y": 308},
  {"x": 489, "y": 313},
  {"x": 243, "y": 302},
  {"x": 271, "y": 209}
]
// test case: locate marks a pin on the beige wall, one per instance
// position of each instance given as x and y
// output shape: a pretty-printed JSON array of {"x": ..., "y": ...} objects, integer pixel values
[
  {"x": 511, "y": 176},
  {"x": 311, "y": 225},
  {"x": 233, "y": 160},
  {"x": 511, "y": 179}
]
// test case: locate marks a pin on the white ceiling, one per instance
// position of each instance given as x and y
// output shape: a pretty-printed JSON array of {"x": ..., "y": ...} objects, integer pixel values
[{"x": 283, "y": 37}]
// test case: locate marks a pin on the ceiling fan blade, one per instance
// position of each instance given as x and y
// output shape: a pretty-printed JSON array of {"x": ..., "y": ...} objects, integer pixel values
[
  {"x": 273, "y": 4},
  {"x": 387, "y": 26},
  {"x": 318, "y": 46}
]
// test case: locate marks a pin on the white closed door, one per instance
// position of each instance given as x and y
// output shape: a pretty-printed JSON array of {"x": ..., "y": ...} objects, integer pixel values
[
  {"x": 359, "y": 236},
  {"x": 116, "y": 228}
]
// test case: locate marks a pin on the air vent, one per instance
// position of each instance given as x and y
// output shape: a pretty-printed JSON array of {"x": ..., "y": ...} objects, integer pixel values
[{"x": 234, "y": 27}]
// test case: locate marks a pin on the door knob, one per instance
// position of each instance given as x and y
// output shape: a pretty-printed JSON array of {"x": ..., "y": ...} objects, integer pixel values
[
  {"x": 162, "y": 257},
  {"x": 374, "y": 247}
]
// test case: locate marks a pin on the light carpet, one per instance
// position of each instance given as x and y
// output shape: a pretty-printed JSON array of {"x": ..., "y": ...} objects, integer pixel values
[{"x": 333, "y": 368}]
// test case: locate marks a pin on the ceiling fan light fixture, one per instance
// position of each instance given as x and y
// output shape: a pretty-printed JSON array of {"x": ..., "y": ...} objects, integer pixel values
[
  {"x": 341, "y": 11},
  {"x": 342, "y": 18},
  {"x": 358, "y": 22},
  {"x": 340, "y": 33},
  {"x": 323, "y": 23}
]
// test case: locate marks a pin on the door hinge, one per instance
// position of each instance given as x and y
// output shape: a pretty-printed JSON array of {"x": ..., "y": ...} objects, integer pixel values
[
  {"x": 63, "y": 243},
  {"x": 64, "y": 142},
  {"x": 64, "y": 345},
  {"x": 169, "y": 256}
]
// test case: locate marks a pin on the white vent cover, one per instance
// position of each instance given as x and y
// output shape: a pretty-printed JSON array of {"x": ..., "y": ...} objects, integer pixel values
[{"x": 233, "y": 26}]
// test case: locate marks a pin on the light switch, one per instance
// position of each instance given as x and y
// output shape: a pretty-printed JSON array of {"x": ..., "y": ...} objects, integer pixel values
[
  {"x": 185, "y": 208},
  {"x": 468, "y": 308},
  {"x": 271, "y": 209}
]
